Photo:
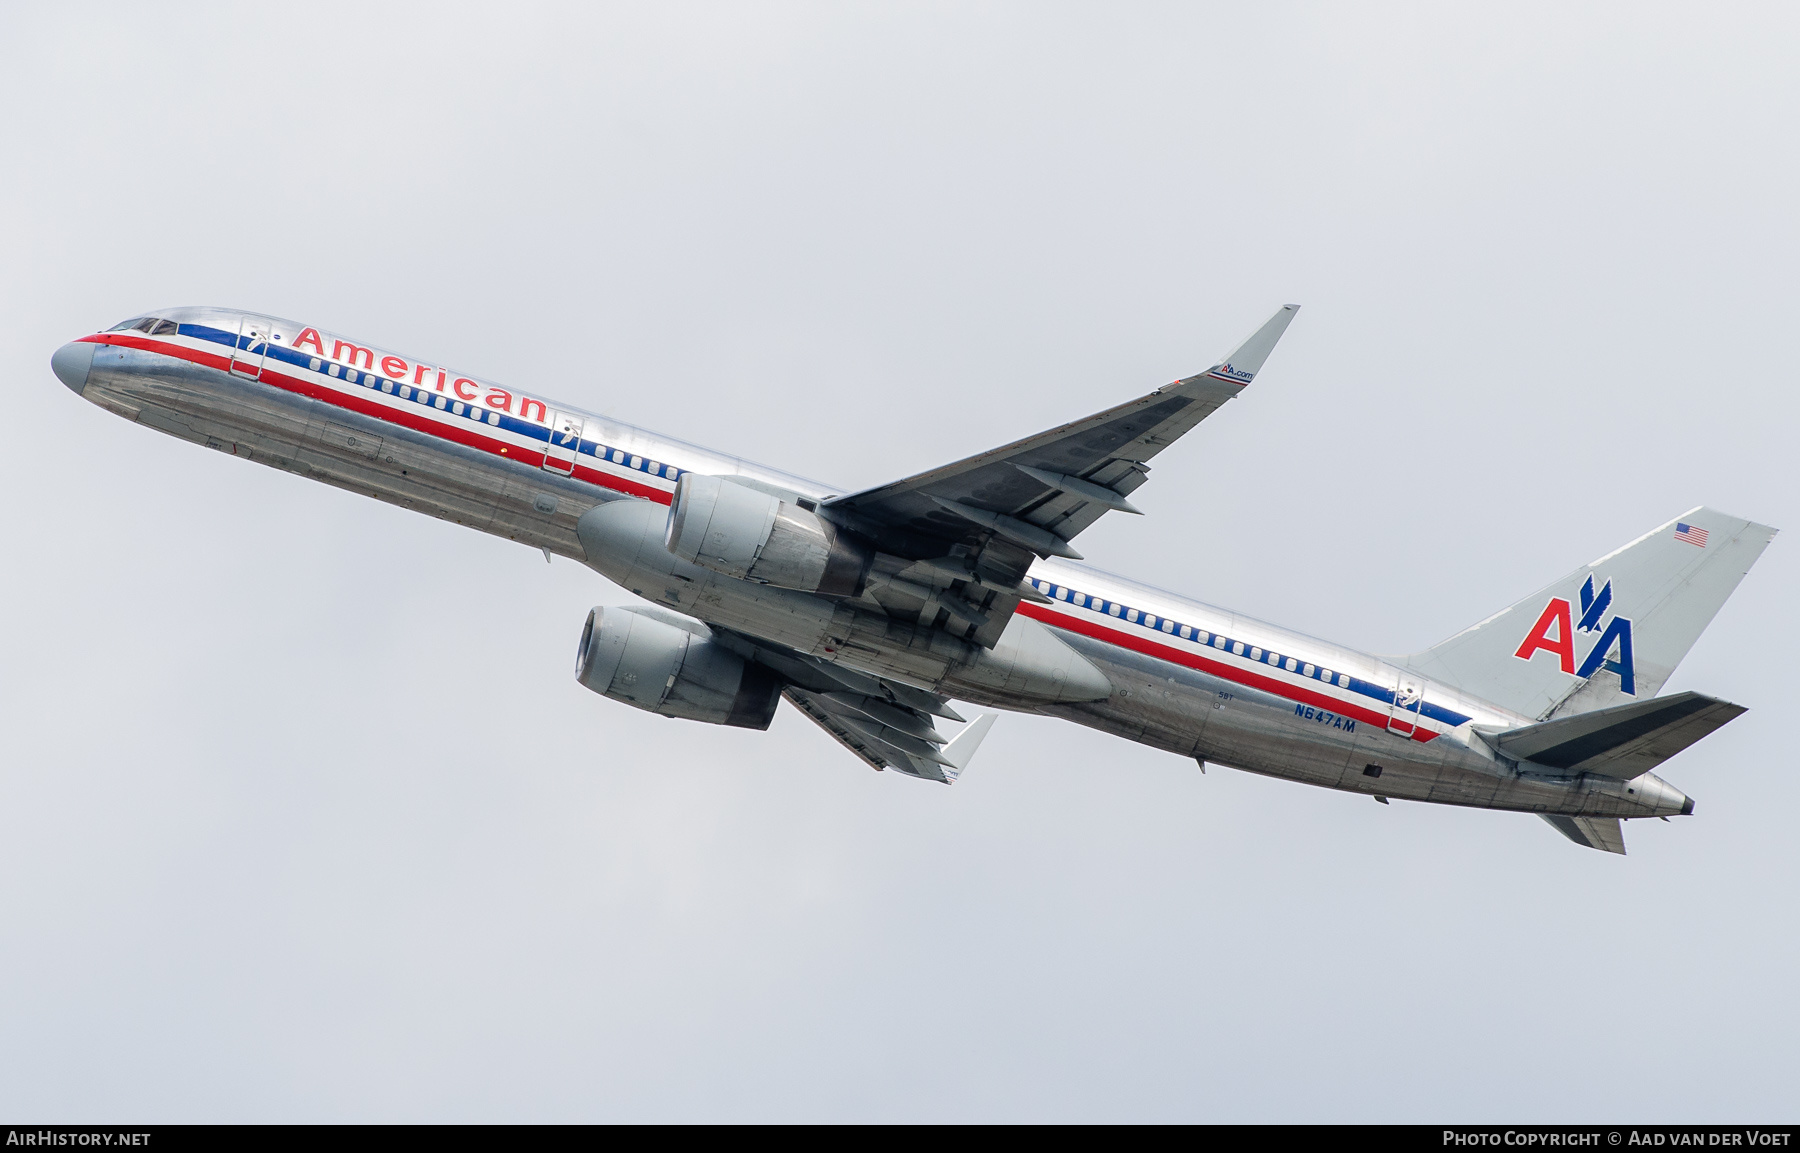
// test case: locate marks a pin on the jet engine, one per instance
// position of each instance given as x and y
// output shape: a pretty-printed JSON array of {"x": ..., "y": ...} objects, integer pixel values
[
  {"x": 746, "y": 533},
  {"x": 673, "y": 669}
]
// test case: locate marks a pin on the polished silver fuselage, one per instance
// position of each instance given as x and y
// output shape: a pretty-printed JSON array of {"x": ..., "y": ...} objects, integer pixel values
[{"x": 430, "y": 455}]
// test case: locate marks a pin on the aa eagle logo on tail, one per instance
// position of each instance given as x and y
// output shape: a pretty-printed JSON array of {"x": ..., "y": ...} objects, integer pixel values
[{"x": 1555, "y": 633}]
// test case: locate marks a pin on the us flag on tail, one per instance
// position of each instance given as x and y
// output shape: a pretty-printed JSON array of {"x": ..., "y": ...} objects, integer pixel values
[{"x": 1690, "y": 534}]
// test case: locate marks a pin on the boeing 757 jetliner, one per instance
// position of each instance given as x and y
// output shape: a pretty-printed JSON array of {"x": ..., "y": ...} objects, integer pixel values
[{"x": 870, "y": 611}]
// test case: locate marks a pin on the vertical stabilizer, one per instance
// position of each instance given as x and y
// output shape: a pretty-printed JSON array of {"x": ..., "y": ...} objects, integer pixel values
[{"x": 1610, "y": 632}]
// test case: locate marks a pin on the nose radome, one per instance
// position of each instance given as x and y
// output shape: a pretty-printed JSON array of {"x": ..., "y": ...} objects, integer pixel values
[{"x": 71, "y": 363}]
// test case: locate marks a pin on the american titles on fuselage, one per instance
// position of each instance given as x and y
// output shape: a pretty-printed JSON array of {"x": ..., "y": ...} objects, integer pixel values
[
  {"x": 396, "y": 368},
  {"x": 407, "y": 380}
]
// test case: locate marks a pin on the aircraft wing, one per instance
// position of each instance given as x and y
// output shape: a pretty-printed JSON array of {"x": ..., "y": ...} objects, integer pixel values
[
  {"x": 1041, "y": 491},
  {"x": 972, "y": 527},
  {"x": 867, "y": 728},
  {"x": 886, "y": 724}
]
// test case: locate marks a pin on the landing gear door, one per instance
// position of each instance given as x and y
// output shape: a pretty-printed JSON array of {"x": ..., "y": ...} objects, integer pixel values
[
  {"x": 564, "y": 442},
  {"x": 252, "y": 346},
  {"x": 1409, "y": 698}
]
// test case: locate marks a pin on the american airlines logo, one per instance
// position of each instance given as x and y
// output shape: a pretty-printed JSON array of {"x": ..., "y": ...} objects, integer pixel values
[
  {"x": 397, "y": 368},
  {"x": 1230, "y": 373},
  {"x": 1555, "y": 633}
]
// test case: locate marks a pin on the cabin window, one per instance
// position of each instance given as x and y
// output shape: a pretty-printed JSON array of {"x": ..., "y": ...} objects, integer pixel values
[
  {"x": 1218, "y": 641},
  {"x": 457, "y": 408},
  {"x": 442, "y": 402},
  {"x": 1325, "y": 675},
  {"x": 1168, "y": 626},
  {"x": 1131, "y": 615},
  {"x": 1237, "y": 648},
  {"x": 493, "y": 418},
  {"x": 387, "y": 386},
  {"x": 406, "y": 392},
  {"x": 1113, "y": 609},
  {"x": 1307, "y": 672},
  {"x": 654, "y": 469},
  {"x": 1343, "y": 680},
  {"x": 1187, "y": 633},
  {"x": 332, "y": 371},
  {"x": 1080, "y": 600},
  {"x": 637, "y": 462},
  {"x": 618, "y": 456},
  {"x": 314, "y": 364},
  {"x": 1062, "y": 594},
  {"x": 1255, "y": 653},
  {"x": 351, "y": 376},
  {"x": 1293, "y": 665}
]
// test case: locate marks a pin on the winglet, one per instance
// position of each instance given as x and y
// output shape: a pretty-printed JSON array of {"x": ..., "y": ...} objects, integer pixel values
[
  {"x": 960, "y": 751},
  {"x": 1242, "y": 366}
]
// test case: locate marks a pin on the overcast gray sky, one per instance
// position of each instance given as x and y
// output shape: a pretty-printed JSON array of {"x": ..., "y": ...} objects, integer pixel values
[{"x": 304, "y": 817}]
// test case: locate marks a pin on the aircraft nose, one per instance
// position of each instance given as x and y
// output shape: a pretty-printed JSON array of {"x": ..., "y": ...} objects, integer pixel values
[{"x": 71, "y": 363}]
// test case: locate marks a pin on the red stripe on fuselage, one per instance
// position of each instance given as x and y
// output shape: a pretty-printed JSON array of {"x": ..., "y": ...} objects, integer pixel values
[
  {"x": 411, "y": 417},
  {"x": 1220, "y": 669}
]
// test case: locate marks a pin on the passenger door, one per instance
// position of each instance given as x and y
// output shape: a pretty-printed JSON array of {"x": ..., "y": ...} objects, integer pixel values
[
  {"x": 252, "y": 346},
  {"x": 565, "y": 440},
  {"x": 1409, "y": 698}
]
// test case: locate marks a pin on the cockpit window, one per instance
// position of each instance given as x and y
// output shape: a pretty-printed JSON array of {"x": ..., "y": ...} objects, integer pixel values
[
  {"x": 126, "y": 325},
  {"x": 163, "y": 326}
]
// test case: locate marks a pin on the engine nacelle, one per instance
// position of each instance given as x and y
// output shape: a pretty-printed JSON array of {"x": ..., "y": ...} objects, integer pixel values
[
  {"x": 742, "y": 532},
  {"x": 665, "y": 669}
]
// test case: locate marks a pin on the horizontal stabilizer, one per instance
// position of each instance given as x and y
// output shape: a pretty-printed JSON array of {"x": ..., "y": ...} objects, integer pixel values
[
  {"x": 1603, "y": 833},
  {"x": 1625, "y": 741}
]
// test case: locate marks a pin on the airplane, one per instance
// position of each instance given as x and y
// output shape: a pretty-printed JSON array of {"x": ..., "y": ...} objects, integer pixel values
[{"x": 871, "y": 611}]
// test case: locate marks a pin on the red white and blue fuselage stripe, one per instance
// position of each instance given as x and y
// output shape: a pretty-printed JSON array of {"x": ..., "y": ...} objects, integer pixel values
[{"x": 429, "y": 400}]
